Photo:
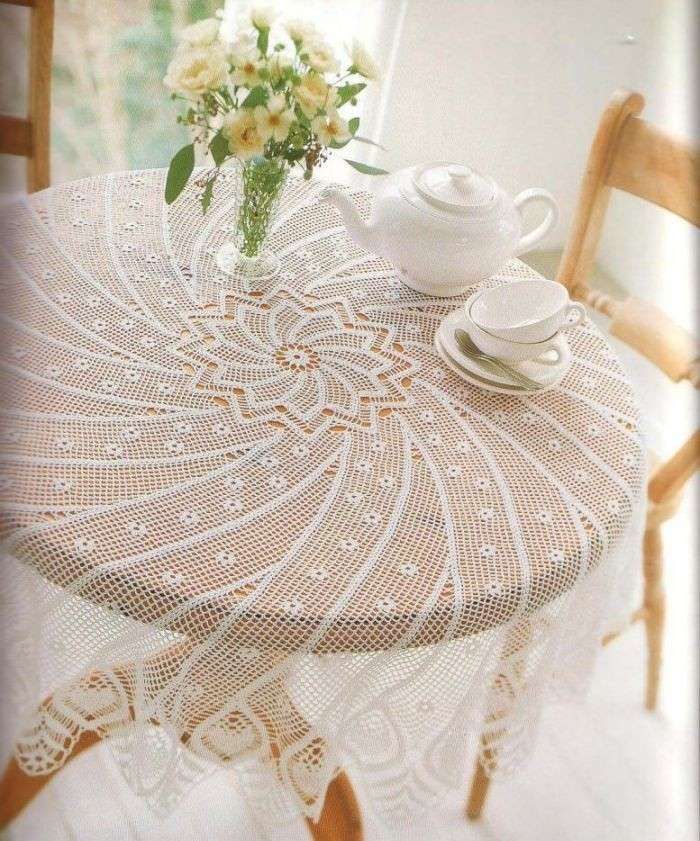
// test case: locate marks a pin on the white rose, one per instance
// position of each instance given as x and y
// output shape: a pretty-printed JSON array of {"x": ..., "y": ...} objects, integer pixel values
[
  {"x": 363, "y": 62},
  {"x": 330, "y": 128},
  {"x": 313, "y": 94},
  {"x": 200, "y": 34},
  {"x": 241, "y": 132},
  {"x": 247, "y": 73},
  {"x": 194, "y": 71},
  {"x": 274, "y": 119},
  {"x": 300, "y": 31},
  {"x": 262, "y": 17},
  {"x": 319, "y": 56},
  {"x": 243, "y": 49}
]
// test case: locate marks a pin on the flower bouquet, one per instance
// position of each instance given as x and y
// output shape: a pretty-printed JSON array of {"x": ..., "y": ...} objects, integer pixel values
[{"x": 268, "y": 101}]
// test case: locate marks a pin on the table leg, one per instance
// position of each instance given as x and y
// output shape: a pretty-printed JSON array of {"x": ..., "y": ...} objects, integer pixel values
[
  {"x": 478, "y": 791},
  {"x": 340, "y": 819},
  {"x": 517, "y": 639},
  {"x": 18, "y": 789}
]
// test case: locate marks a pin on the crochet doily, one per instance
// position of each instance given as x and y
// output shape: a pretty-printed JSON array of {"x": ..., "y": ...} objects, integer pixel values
[{"x": 266, "y": 516}]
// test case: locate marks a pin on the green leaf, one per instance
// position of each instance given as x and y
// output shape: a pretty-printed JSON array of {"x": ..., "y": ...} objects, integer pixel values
[
  {"x": 179, "y": 171},
  {"x": 347, "y": 92},
  {"x": 219, "y": 148},
  {"x": 365, "y": 169},
  {"x": 258, "y": 96},
  {"x": 263, "y": 39},
  {"x": 207, "y": 195},
  {"x": 293, "y": 155},
  {"x": 361, "y": 139}
]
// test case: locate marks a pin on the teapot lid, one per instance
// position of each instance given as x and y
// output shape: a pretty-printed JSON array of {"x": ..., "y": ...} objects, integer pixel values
[{"x": 454, "y": 187}]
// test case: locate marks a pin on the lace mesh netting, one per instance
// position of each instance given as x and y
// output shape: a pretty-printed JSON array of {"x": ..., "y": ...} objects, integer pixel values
[{"x": 268, "y": 518}]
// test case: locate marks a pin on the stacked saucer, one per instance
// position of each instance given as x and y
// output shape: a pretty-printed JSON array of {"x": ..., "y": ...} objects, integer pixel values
[{"x": 511, "y": 338}]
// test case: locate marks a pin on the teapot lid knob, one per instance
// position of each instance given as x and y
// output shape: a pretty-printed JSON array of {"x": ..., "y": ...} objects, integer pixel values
[
  {"x": 459, "y": 172},
  {"x": 461, "y": 177},
  {"x": 453, "y": 186}
]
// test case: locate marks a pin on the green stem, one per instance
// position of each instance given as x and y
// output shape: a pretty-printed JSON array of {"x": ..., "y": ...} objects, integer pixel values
[{"x": 262, "y": 183}]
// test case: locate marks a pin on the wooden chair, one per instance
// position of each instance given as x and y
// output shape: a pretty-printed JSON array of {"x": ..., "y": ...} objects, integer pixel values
[
  {"x": 631, "y": 154},
  {"x": 29, "y": 136}
]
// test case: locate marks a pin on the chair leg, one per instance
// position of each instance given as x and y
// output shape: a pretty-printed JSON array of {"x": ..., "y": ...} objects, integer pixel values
[
  {"x": 340, "y": 818},
  {"x": 478, "y": 791},
  {"x": 654, "y": 607},
  {"x": 18, "y": 789}
]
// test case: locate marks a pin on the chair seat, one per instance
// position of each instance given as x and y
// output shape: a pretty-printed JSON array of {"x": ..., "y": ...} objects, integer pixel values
[{"x": 654, "y": 389}]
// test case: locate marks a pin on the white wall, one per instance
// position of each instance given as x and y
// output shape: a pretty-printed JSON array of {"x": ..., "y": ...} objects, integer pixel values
[{"x": 515, "y": 89}]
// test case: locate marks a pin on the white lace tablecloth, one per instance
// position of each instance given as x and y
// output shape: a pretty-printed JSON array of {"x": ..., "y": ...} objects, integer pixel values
[{"x": 267, "y": 517}]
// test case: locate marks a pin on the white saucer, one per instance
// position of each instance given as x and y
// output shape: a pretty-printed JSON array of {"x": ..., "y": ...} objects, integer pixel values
[{"x": 545, "y": 375}]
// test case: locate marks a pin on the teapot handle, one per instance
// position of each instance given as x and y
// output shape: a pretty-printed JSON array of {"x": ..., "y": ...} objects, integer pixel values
[{"x": 527, "y": 241}]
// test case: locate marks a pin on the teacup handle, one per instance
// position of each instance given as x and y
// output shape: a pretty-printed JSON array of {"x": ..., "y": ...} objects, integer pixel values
[
  {"x": 580, "y": 311},
  {"x": 528, "y": 241},
  {"x": 563, "y": 354}
]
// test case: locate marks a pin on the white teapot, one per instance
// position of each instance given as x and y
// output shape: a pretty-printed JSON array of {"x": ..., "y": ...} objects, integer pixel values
[{"x": 444, "y": 225}]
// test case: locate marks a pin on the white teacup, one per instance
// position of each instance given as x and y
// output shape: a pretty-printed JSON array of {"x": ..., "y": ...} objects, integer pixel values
[
  {"x": 525, "y": 311},
  {"x": 552, "y": 352}
]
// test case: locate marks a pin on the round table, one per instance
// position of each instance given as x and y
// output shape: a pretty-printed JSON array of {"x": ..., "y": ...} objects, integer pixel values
[{"x": 281, "y": 482}]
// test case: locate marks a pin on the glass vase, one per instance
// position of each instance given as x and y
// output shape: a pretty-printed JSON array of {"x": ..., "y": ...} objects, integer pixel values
[{"x": 262, "y": 182}]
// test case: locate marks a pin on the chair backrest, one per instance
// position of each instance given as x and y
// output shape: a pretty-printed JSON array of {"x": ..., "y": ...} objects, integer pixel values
[
  {"x": 29, "y": 136},
  {"x": 630, "y": 154}
]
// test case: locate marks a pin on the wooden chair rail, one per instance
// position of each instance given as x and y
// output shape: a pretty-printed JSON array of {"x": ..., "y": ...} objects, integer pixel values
[
  {"x": 15, "y": 136},
  {"x": 30, "y": 137},
  {"x": 648, "y": 331},
  {"x": 653, "y": 165}
]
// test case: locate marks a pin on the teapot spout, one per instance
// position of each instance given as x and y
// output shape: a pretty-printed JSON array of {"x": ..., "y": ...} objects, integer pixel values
[{"x": 364, "y": 234}]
